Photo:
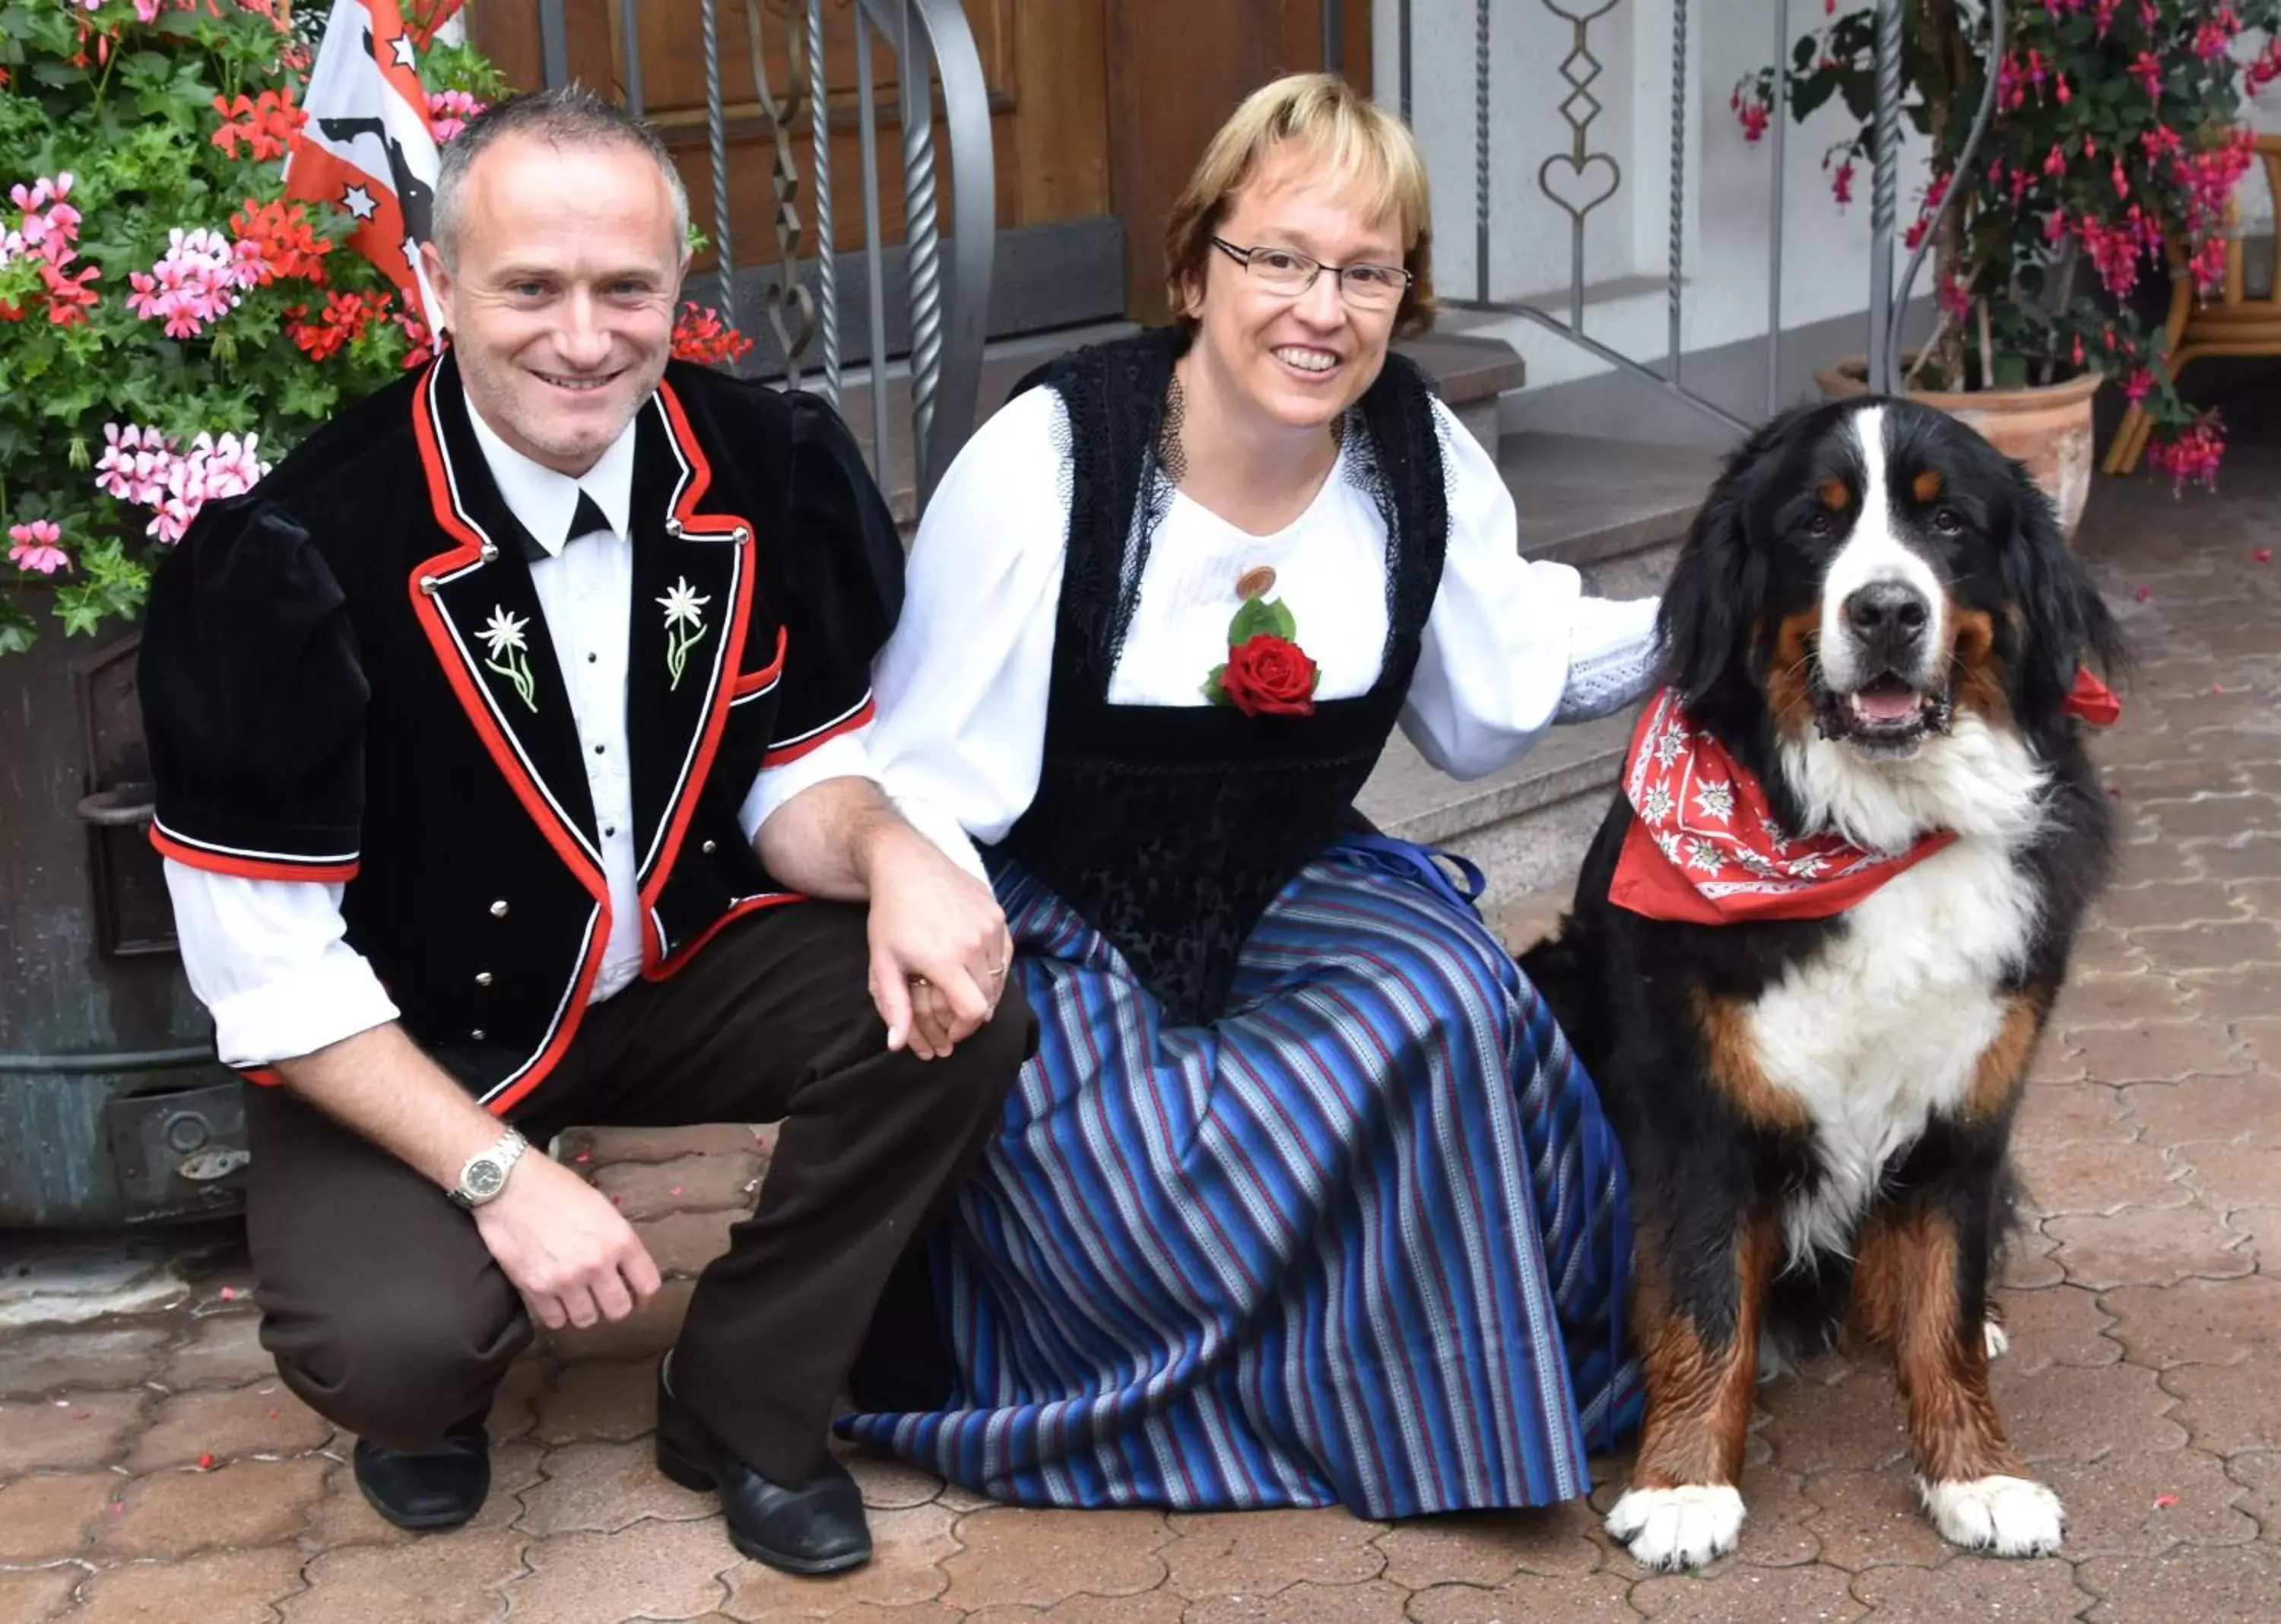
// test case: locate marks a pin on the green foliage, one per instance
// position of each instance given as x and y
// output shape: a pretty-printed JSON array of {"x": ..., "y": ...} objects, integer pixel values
[
  {"x": 1261, "y": 617},
  {"x": 2118, "y": 140},
  {"x": 134, "y": 111}
]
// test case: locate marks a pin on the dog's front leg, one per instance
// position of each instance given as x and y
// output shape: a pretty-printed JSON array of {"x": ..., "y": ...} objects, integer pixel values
[
  {"x": 1920, "y": 1287},
  {"x": 1698, "y": 1314}
]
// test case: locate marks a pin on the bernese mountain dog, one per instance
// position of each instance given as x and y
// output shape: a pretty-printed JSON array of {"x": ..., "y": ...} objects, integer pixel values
[{"x": 1819, "y": 934}]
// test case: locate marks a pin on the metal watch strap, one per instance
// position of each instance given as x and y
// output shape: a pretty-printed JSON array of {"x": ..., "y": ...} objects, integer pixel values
[{"x": 506, "y": 1151}]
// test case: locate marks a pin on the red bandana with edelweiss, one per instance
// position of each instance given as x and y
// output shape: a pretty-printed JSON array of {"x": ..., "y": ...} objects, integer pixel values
[{"x": 1703, "y": 848}]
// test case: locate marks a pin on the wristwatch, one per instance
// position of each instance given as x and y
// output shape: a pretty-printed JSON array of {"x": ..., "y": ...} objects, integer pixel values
[{"x": 485, "y": 1174}]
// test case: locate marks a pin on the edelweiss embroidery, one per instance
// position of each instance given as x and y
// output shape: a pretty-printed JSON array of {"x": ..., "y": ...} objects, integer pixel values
[
  {"x": 683, "y": 608},
  {"x": 509, "y": 657}
]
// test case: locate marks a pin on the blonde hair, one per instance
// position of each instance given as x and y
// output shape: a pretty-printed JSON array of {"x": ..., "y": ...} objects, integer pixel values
[{"x": 1350, "y": 137}]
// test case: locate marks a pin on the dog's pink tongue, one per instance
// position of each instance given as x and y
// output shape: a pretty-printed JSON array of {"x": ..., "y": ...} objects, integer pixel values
[{"x": 1885, "y": 702}]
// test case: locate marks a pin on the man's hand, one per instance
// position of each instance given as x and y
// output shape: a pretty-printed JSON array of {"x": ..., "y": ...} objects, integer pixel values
[
  {"x": 940, "y": 950},
  {"x": 567, "y": 1249}
]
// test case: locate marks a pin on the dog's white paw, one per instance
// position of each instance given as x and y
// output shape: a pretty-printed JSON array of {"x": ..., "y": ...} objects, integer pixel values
[
  {"x": 1671, "y": 1529},
  {"x": 2009, "y": 1516},
  {"x": 1995, "y": 1338}
]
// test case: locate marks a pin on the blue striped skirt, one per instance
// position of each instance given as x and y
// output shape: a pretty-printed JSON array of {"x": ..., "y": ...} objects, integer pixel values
[{"x": 1363, "y": 1241}]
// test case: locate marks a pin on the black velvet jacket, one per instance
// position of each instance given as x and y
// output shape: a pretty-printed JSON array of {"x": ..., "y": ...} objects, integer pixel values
[{"x": 346, "y": 676}]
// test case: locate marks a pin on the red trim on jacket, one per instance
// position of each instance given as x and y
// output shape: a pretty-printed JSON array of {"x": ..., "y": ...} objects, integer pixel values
[
  {"x": 768, "y": 673},
  {"x": 863, "y": 714},
  {"x": 688, "y": 950},
  {"x": 487, "y": 728},
  {"x": 250, "y": 868},
  {"x": 501, "y": 1103},
  {"x": 716, "y": 717}
]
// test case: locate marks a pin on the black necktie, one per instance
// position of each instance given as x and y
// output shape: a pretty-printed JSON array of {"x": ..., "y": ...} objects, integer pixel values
[{"x": 587, "y": 520}]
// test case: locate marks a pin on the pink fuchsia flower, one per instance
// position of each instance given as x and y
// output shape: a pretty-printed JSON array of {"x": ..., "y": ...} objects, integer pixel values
[
  {"x": 2192, "y": 455},
  {"x": 195, "y": 283},
  {"x": 34, "y": 547},
  {"x": 134, "y": 464},
  {"x": 2267, "y": 67},
  {"x": 2213, "y": 36}
]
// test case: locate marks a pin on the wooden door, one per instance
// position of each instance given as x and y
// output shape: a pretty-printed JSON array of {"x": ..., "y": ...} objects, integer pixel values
[
  {"x": 1177, "y": 69},
  {"x": 1043, "y": 60}
]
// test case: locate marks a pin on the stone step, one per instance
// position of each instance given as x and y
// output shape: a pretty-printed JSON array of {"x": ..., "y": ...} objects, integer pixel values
[{"x": 1617, "y": 511}]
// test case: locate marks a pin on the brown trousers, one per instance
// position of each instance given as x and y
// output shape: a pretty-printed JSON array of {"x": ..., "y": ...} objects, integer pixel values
[{"x": 387, "y": 1314}]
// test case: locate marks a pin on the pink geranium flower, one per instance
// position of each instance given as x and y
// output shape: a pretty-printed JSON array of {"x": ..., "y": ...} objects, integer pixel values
[
  {"x": 448, "y": 112},
  {"x": 210, "y": 468},
  {"x": 32, "y": 546},
  {"x": 134, "y": 464},
  {"x": 195, "y": 283}
]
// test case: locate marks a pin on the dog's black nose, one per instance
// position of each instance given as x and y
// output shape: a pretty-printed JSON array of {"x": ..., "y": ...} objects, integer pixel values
[{"x": 1888, "y": 616}]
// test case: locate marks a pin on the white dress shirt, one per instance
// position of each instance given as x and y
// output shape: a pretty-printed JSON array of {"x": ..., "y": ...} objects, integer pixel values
[
  {"x": 1509, "y": 646},
  {"x": 268, "y": 957}
]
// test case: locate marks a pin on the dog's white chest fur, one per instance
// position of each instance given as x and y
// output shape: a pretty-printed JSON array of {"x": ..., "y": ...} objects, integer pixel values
[{"x": 1884, "y": 1026}]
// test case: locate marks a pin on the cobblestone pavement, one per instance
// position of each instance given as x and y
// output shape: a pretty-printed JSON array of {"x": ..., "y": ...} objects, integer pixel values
[{"x": 152, "y": 1468}]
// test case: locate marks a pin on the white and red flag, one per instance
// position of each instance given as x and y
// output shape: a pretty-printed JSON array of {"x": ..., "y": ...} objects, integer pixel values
[{"x": 368, "y": 147}]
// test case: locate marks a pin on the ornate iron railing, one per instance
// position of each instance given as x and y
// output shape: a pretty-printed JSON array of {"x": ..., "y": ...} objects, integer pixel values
[
  {"x": 946, "y": 284},
  {"x": 1586, "y": 176}
]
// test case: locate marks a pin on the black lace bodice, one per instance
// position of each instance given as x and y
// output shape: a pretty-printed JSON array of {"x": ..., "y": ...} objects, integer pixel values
[{"x": 1170, "y": 828}]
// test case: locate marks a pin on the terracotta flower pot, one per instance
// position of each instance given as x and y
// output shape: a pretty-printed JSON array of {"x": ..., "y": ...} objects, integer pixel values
[{"x": 2047, "y": 428}]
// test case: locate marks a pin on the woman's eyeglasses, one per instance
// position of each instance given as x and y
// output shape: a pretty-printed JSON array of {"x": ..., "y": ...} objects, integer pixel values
[{"x": 1289, "y": 272}]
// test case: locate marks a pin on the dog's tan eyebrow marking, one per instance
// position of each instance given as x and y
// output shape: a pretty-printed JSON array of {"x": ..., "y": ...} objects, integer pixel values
[
  {"x": 1835, "y": 494},
  {"x": 1928, "y": 486}
]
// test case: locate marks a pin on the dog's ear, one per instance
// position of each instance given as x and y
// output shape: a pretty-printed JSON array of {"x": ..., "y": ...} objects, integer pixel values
[
  {"x": 2067, "y": 623},
  {"x": 1707, "y": 605}
]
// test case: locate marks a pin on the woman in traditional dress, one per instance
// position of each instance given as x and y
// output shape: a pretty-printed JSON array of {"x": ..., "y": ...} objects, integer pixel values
[{"x": 1303, "y": 1198}]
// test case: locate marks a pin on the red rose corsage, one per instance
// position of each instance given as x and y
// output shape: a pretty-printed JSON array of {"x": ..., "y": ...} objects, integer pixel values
[{"x": 1267, "y": 674}]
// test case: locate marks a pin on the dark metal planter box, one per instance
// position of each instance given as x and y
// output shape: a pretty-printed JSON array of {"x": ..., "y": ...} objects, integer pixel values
[{"x": 113, "y": 1110}]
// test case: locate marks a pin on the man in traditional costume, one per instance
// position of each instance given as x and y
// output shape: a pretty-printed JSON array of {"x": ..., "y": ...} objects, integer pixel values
[{"x": 507, "y": 741}]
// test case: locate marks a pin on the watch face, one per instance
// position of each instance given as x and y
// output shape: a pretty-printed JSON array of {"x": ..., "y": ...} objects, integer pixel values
[{"x": 485, "y": 1177}]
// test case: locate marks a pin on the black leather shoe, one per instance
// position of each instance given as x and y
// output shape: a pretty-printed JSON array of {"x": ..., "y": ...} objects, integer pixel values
[
  {"x": 438, "y": 1487},
  {"x": 816, "y": 1528}
]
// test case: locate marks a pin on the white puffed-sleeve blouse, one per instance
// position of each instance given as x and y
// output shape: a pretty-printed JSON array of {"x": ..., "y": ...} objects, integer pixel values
[{"x": 1510, "y": 645}]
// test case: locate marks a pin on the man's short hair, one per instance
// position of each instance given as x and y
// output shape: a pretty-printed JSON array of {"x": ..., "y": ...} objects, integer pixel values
[{"x": 570, "y": 115}]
